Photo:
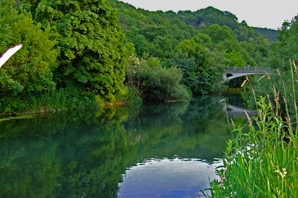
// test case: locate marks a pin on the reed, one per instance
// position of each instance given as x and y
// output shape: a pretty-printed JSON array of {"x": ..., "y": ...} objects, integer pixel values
[{"x": 263, "y": 161}]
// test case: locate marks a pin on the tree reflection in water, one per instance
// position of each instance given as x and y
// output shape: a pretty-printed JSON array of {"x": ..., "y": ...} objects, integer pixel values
[{"x": 85, "y": 153}]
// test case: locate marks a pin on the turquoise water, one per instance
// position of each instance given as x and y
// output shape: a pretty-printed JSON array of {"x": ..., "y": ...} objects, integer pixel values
[{"x": 161, "y": 150}]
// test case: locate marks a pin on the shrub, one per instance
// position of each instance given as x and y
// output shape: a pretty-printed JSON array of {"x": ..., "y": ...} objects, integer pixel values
[{"x": 154, "y": 82}]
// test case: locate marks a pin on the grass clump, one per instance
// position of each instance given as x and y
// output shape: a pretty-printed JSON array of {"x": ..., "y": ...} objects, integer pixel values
[{"x": 262, "y": 162}]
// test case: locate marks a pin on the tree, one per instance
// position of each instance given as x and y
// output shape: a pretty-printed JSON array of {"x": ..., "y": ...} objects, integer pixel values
[
  {"x": 203, "y": 76},
  {"x": 90, "y": 42},
  {"x": 244, "y": 23},
  {"x": 189, "y": 69},
  {"x": 155, "y": 82},
  {"x": 287, "y": 47},
  {"x": 194, "y": 50},
  {"x": 29, "y": 70},
  {"x": 236, "y": 58},
  {"x": 219, "y": 34}
]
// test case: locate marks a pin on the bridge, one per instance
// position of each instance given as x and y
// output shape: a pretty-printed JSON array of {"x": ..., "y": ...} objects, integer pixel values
[{"x": 235, "y": 72}]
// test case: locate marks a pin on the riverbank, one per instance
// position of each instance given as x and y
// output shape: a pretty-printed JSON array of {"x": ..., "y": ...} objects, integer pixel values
[{"x": 263, "y": 161}]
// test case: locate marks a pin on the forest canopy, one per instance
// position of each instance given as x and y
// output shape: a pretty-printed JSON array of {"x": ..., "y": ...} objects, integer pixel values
[{"x": 85, "y": 52}]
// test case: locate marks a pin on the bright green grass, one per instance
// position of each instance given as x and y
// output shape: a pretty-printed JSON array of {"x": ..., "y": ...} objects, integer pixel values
[{"x": 262, "y": 162}]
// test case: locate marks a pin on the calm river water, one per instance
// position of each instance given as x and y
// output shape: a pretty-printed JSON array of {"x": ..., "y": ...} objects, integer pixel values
[{"x": 162, "y": 150}]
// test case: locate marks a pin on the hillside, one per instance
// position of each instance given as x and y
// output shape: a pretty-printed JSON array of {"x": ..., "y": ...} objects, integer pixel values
[
  {"x": 224, "y": 40},
  {"x": 199, "y": 20},
  {"x": 209, "y": 16},
  {"x": 268, "y": 33},
  {"x": 199, "y": 43}
]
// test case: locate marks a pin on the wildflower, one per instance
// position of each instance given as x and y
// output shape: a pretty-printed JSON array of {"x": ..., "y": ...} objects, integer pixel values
[{"x": 281, "y": 173}]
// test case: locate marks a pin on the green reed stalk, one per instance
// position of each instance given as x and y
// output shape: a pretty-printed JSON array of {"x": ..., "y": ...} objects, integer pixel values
[{"x": 263, "y": 161}]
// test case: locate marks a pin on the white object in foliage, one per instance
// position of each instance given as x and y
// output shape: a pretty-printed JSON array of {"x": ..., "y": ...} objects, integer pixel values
[{"x": 9, "y": 53}]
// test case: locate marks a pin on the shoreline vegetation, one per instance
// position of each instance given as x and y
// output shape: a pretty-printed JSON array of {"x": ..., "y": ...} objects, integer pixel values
[{"x": 263, "y": 161}]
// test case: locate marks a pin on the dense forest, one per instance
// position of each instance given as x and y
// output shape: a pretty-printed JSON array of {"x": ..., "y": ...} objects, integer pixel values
[{"x": 77, "y": 54}]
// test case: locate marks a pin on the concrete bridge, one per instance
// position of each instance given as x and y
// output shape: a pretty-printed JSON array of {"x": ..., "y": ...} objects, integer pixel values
[{"x": 235, "y": 72}]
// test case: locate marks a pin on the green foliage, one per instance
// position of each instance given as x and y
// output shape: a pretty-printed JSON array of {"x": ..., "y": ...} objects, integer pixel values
[
  {"x": 194, "y": 50},
  {"x": 218, "y": 33},
  {"x": 202, "y": 38},
  {"x": 268, "y": 33},
  {"x": 212, "y": 37},
  {"x": 281, "y": 74},
  {"x": 286, "y": 49},
  {"x": 263, "y": 161},
  {"x": 90, "y": 43},
  {"x": 201, "y": 19},
  {"x": 279, "y": 82},
  {"x": 236, "y": 58},
  {"x": 199, "y": 79},
  {"x": 85, "y": 50},
  {"x": 47, "y": 101},
  {"x": 30, "y": 69},
  {"x": 154, "y": 82},
  {"x": 78, "y": 50},
  {"x": 189, "y": 69},
  {"x": 29, "y": 72}
]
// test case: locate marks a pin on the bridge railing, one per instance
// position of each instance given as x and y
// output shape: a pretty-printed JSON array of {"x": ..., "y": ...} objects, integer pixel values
[{"x": 247, "y": 69}]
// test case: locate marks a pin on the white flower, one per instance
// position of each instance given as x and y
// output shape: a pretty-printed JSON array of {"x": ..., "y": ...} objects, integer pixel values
[{"x": 281, "y": 173}]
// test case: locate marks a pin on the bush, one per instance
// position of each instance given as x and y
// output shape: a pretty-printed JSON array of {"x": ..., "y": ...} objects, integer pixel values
[{"x": 154, "y": 82}]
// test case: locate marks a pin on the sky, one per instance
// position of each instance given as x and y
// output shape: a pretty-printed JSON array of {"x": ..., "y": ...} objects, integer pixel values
[{"x": 257, "y": 13}]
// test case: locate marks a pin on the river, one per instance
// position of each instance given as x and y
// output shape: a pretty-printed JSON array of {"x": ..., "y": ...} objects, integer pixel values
[{"x": 161, "y": 150}]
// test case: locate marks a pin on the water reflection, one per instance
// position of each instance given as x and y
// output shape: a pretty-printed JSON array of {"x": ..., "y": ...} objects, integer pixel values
[
  {"x": 85, "y": 153},
  {"x": 168, "y": 178}
]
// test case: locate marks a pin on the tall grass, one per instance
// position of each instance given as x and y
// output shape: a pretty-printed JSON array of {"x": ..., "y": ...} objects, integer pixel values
[{"x": 263, "y": 162}]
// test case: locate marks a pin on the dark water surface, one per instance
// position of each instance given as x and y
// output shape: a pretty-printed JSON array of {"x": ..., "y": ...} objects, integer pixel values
[{"x": 163, "y": 150}]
